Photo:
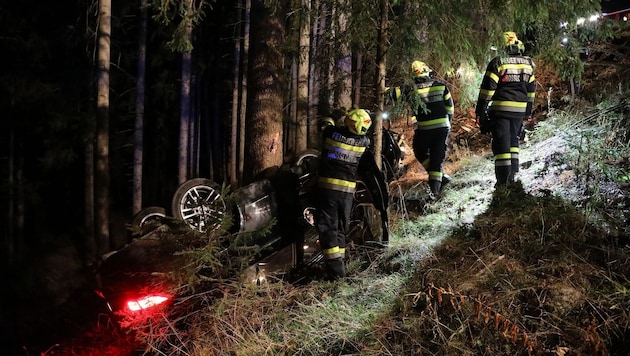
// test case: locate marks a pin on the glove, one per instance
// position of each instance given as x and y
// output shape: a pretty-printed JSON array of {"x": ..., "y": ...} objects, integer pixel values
[
  {"x": 414, "y": 122},
  {"x": 522, "y": 134},
  {"x": 485, "y": 124}
]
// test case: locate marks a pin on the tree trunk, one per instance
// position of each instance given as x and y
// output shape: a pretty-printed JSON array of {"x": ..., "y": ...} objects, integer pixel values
[
  {"x": 236, "y": 89},
  {"x": 296, "y": 134},
  {"x": 380, "y": 81},
  {"x": 195, "y": 131},
  {"x": 138, "y": 138},
  {"x": 329, "y": 73},
  {"x": 91, "y": 248},
  {"x": 102, "y": 175},
  {"x": 244, "y": 91},
  {"x": 343, "y": 73},
  {"x": 184, "y": 116},
  {"x": 265, "y": 115},
  {"x": 290, "y": 131},
  {"x": 357, "y": 80},
  {"x": 316, "y": 74},
  {"x": 301, "y": 141}
]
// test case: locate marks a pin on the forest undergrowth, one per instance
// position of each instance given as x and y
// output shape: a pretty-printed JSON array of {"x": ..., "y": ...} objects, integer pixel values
[{"x": 540, "y": 268}]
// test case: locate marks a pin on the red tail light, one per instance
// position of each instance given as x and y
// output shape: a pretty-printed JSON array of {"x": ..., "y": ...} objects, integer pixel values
[{"x": 146, "y": 302}]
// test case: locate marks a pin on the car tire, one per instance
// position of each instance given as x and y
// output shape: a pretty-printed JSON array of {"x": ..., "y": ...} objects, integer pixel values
[
  {"x": 198, "y": 202},
  {"x": 148, "y": 215},
  {"x": 148, "y": 219},
  {"x": 305, "y": 156}
]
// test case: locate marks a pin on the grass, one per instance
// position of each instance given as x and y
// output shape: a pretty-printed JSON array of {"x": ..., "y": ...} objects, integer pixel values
[
  {"x": 523, "y": 271},
  {"x": 539, "y": 269}
]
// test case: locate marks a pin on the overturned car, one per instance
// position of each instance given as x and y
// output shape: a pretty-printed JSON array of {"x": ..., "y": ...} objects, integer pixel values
[{"x": 271, "y": 219}]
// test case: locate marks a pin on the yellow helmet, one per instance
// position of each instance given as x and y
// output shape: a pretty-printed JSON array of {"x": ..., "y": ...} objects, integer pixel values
[
  {"x": 420, "y": 69},
  {"x": 509, "y": 38},
  {"x": 358, "y": 121},
  {"x": 521, "y": 46}
]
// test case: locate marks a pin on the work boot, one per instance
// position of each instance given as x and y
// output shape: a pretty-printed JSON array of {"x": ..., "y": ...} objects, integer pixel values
[
  {"x": 335, "y": 268},
  {"x": 502, "y": 174},
  {"x": 514, "y": 169},
  {"x": 511, "y": 178},
  {"x": 435, "y": 186},
  {"x": 445, "y": 180}
]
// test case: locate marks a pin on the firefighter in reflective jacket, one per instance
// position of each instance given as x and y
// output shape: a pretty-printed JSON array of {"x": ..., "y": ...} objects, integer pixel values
[
  {"x": 506, "y": 98},
  {"x": 433, "y": 124},
  {"x": 341, "y": 151}
]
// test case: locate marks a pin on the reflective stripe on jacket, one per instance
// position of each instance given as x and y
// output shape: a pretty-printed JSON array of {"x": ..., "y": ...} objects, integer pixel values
[
  {"x": 508, "y": 87},
  {"x": 438, "y": 104},
  {"x": 339, "y": 158}
]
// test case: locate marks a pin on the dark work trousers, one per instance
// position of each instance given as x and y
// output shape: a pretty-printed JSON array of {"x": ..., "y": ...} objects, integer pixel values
[
  {"x": 331, "y": 220},
  {"x": 429, "y": 147},
  {"x": 505, "y": 147},
  {"x": 286, "y": 187}
]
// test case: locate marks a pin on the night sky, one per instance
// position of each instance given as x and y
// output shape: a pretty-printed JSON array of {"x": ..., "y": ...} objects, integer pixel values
[{"x": 615, "y": 5}]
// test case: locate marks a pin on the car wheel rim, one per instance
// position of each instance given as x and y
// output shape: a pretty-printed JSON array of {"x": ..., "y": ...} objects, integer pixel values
[{"x": 202, "y": 208}]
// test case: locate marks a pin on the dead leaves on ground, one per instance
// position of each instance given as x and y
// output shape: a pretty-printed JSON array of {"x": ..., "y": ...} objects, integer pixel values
[{"x": 439, "y": 302}]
